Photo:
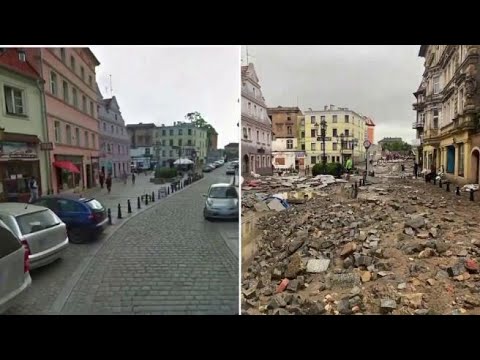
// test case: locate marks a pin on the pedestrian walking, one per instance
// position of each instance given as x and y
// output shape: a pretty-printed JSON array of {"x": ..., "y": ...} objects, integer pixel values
[
  {"x": 108, "y": 183},
  {"x": 33, "y": 186},
  {"x": 402, "y": 167},
  {"x": 415, "y": 169},
  {"x": 102, "y": 179},
  {"x": 133, "y": 178}
]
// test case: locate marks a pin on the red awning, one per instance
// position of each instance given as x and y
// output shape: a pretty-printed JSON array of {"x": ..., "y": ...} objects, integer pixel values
[{"x": 67, "y": 165}]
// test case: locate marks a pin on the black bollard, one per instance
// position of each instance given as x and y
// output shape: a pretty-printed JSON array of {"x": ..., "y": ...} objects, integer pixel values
[
  {"x": 146, "y": 199},
  {"x": 159, "y": 195},
  {"x": 448, "y": 187},
  {"x": 138, "y": 203},
  {"x": 153, "y": 196},
  {"x": 109, "y": 214},
  {"x": 471, "y": 195},
  {"x": 168, "y": 190},
  {"x": 129, "y": 206},
  {"x": 360, "y": 183},
  {"x": 440, "y": 183},
  {"x": 119, "y": 215},
  {"x": 434, "y": 180},
  {"x": 458, "y": 191}
]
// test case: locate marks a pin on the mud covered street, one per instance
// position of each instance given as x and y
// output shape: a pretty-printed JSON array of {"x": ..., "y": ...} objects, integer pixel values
[{"x": 402, "y": 246}]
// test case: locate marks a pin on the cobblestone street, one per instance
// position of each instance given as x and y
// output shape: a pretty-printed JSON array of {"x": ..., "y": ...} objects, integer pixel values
[{"x": 166, "y": 260}]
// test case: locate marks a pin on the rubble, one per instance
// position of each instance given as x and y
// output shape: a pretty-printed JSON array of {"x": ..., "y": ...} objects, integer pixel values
[{"x": 401, "y": 247}]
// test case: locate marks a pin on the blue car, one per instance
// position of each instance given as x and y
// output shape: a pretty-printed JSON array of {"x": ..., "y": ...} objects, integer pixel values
[{"x": 84, "y": 217}]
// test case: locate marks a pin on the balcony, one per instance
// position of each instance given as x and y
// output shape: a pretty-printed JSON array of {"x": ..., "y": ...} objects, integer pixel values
[{"x": 418, "y": 124}]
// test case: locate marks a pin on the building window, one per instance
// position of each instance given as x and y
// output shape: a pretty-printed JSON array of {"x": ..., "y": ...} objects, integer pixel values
[
  {"x": 250, "y": 133},
  {"x": 313, "y": 160},
  {"x": 312, "y": 133},
  {"x": 334, "y": 146},
  {"x": 53, "y": 83},
  {"x": 84, "y": 103},
  {"x": 14, "y": 101},
  {"x": 347, "y": 133},
  {"x": 105, "y": 127},
  {"x": 461, "y": 159},
  {"x": 334, "y": 133},
  {"x": 334, "y": 119},
  {"x": 65, "y": 92},
  {"x": 255, "y": 110},
  {"x": 302, "y": 135},
  {"x": 180, "y": 132},
  {"x": 322, "y": 147},
  {"x": 82, "y": 72},
  {"x": 322, "y": 118},
  {"x": 108, "y": 148},
  {"x": 164, "y": 132},
  {"x": 189, "y": 131},
  {"x": 171, "y": 153},
  {"x": 312, "y": 119},
  {"x": 258, "y": 136},
  {"x": 460, "y": 102},
  {"x": 313, "y": 146},
  {"x": 289, "y": 144},
  {"x": 189, "y": 142},
  {"x": 436, "y": 84},
  {"x": 90, "y": 80},
  {"x": 435, "y": 118},
  {"x": 347, "y": 118},
  {"x": 94, "y": 143},
  {"x": 111, "y": 128},
  {"x": 171, "y": 132},
  {"x": 163, "y": 142},
  {"x": 179, "y": 142},
  {"x": 62, "y": 55},
  {"x": 171, "y": 142},
  {"x": 58, "y": 132},
  {"x": 245, "y": 136},
  {"x": 91, "y": 108},
  {"x": 249, "y": 108},
  {"x": 74, "y": 96},
  {"x": 302, "y": 146},
  {"x": 289, "y": 130},
  {"x": 72, "y": 63},
  {"x": 77, "y": 136},
  {"x": 86, "y": 139},
  {"x": 69, "y": 134},
  {"x": 118, "y": 147},
  {"x": 147, "y": 151},
  {"x": 116, "y": 117}
]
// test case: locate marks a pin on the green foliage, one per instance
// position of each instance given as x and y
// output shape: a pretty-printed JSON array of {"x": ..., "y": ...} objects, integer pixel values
[
  {"x": 165, "y": 173},
  {"x": 197, "y": 119},
  {"x": 334, "y": 169},
  {"x": 397, "y": 146}
]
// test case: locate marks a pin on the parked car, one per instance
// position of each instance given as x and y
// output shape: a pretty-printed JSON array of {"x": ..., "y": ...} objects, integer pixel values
[
  {"x": 221, "y": 202},
  {"x": 84, "y": 217},
  {"x": 207, "y": 168},
  {"x": 39, "y": 230},
  {"x": 231, "y": 170},
  {"x": 14, "y": 267}
]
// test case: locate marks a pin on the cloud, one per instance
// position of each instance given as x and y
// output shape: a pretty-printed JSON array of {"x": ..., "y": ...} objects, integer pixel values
[
  {"x": 162, "y": 84},
  {"x": 374, "y": 80}
]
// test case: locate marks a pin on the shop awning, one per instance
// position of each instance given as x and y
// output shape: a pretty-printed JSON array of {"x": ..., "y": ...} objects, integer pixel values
[{"x": 67, "y": 165}]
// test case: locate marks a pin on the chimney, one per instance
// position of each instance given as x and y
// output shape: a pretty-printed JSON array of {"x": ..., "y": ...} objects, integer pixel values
[
  {"x": 21, "y": 55},
  {"x": 325, "y": 107},
  {"x": 332, "y": 107},
  {"x": 174, "y": 123}
]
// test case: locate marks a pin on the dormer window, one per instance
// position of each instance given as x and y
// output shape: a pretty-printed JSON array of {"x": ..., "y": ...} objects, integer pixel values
[{"x": 21, "y": 56}]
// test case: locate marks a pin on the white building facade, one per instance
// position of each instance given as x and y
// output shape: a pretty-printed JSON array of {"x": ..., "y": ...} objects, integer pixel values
[
  {"x": 256, "y": 126},
  {"x": 284, "y": 153}
]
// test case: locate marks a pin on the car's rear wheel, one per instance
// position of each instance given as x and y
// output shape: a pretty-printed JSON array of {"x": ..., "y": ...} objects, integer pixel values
[{"x": 75, "y": 236}]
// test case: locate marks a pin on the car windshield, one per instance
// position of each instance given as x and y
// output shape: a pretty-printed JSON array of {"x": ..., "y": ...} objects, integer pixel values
[
  {"x": 94, "y": 204},
  {"x": 223, "y": 192},
  {"x": 37, "y": 221}
]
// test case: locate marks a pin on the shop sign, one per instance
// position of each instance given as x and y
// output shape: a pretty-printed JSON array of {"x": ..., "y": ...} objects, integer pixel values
[
  {"x": 17, "y": 150},
  {"x": 46, "y": 146}
]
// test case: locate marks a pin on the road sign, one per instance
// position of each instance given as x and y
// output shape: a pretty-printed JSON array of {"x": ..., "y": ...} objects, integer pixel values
[
  {"x": 46, "y": 146},
  {"x": 367, "y": 144}
]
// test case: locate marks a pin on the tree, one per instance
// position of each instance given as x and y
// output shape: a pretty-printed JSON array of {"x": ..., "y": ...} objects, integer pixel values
[
  {"x": 397, "y": 146},
  {"x": 197, "y": 119}
]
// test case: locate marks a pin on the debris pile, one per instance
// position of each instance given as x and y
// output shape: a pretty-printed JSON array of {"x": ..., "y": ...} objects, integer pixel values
[{"x": 394, "y": 250}]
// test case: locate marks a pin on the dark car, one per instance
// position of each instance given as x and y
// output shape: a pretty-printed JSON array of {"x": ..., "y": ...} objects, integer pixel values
[{"x": 84, "y": 217}]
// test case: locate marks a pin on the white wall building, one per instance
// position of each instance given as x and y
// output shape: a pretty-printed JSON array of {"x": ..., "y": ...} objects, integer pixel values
[
  {"x": 284, "y": 153},
  {"x": 256, "y": 126}
]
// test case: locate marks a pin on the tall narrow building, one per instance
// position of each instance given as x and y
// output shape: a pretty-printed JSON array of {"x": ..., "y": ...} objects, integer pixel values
[{"x": 256, "y": 126}]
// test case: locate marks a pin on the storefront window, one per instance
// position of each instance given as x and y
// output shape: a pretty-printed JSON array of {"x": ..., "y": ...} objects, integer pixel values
[{"x": 14, "y": 178}]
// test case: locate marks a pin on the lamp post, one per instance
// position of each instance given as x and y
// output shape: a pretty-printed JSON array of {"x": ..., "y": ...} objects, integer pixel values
[{"x": 340, "y": 139}]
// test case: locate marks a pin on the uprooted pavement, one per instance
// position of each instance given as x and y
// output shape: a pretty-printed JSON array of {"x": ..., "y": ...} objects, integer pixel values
[{"x": 399, "y": 248}]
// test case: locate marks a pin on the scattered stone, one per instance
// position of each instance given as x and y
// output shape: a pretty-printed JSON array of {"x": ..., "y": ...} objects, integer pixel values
[
  {"x": 343, "y": 307},
  {"x": 428, "y": 252},
  {"x": 348, "y": 249},
  {"x": 295, "y": 267},
  {"x": 347, "y": 263},
  {"x": 415, "y": 300},
  {"x": 261, "y": 206},
  {"x": 250, "y": 293},
  {"x": 356, "y": 309},
  {"x": 317, "y": 265},
  {"x": 423, "y": 235},
  {"x": 316, "y": 309},
  {"x": 388, "y": 304},
  {"x": 409, "y": 231},
  {"x": 431, "y": 282},
  {"x": 283, "y": 285},
  {"x": 355, "y": 291},
  {"x": 415, "y": 222},
  {"x": 362, "y": 236},
  {"x": 280, "y": 311},
  {"x": 434, "y": 232},
  {"x": 441, "y": 246},
  {"x": 366, "y": 276},
  {"x": 276, "y": 274},
  {"x": 347, "y": 280},
  {"x": 361, "y": 260},
  {"x": 473, "y": 301},
  {"x": 276, "y": 302},
  {"x": 295, "y": 245},
  {"x": 456, "y": 269},
  {"x": 401, "y": 286},
  {"x": 463, "y": 253},
  {"x": 384, "y": 273},
  {"x": 422, "y": 312},
  {"x": 447, "y": 219},
  {"x": 472, "y": 265},
  {"x": 293, "y": 285},
  {"x": 416, "y": 282}
]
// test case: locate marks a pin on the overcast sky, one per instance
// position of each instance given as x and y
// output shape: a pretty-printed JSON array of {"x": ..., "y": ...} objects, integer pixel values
[
  {"x": 374, "y": 80},
  {"x": 162, "y": 84}
]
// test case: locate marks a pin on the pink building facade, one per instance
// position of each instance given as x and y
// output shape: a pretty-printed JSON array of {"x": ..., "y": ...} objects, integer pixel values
[{"x": 72, "y": 116}]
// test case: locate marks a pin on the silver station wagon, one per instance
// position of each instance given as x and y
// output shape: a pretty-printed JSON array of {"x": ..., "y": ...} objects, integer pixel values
[{"x": 40, "y": 231}]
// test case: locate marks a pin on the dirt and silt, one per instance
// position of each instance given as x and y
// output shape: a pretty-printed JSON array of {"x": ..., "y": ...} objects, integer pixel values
[{"x": 401, "y": 247}]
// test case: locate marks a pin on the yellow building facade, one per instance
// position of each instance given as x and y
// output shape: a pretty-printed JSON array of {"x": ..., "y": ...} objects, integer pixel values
[{"x": 340, "y": 121}]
